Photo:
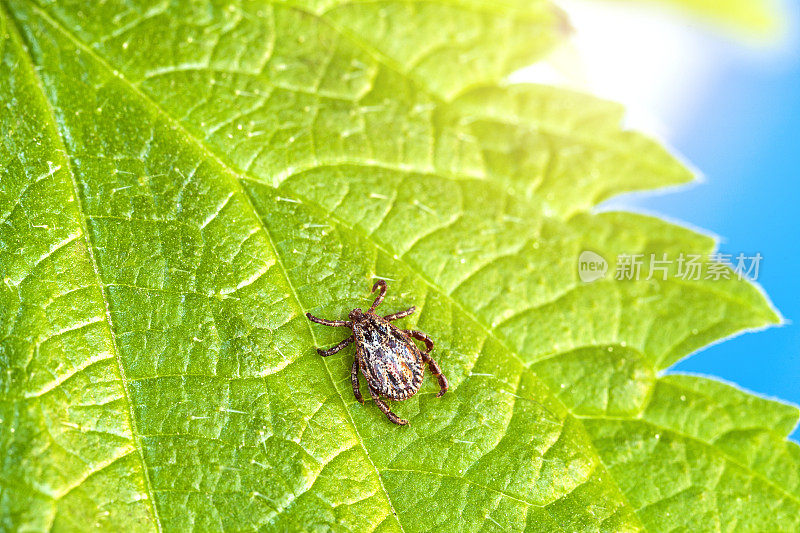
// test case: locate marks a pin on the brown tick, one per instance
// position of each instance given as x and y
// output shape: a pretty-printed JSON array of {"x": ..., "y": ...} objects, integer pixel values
[{"x": 391, "y": 362}]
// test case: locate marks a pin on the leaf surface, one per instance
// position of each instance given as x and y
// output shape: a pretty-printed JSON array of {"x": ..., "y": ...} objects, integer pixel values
[
  {"x": 181, "y": 183},
  {"x": 755, "y": 16}
]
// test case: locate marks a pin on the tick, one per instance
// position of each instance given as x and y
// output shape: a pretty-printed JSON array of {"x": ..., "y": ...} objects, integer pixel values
[{"x": 391, "y": 362}]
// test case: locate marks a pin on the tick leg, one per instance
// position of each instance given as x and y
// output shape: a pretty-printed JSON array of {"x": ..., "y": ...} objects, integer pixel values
[
  {"x": 354, "y": 379},
  {"x": 331, "y": 351},
  {"x": 385, "y": 408},
  {"x": 432, "y": 364},
  {"x": 333, "y": 323},
  {"x": 436, "y": 371},
  {"x": 400, "y": 314},
  {"x": 420, "y": 336},
  {"x": 382, "y": 284}
]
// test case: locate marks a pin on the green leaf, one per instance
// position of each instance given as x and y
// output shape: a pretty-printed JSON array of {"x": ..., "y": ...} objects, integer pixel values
[
  {"x": 759, "y": 16},
  {"x": 180, "y": 183}
]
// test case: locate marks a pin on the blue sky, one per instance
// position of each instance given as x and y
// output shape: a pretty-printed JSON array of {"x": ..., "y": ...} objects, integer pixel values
[
  {"x": 743, "y": 134},
  {"x": 730, "y": 107}
]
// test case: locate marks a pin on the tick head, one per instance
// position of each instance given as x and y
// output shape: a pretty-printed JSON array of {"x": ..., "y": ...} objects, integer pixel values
[{"x": 356, "y": 314}]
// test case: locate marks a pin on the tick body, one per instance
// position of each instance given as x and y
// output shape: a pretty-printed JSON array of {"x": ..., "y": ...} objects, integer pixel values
[{"x": 391, "y": 362}]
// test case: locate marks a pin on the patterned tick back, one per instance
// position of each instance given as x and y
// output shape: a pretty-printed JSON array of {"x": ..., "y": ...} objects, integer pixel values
[
  {"x": 391, "y": 362},
  {"x": 389, "y": 359}
]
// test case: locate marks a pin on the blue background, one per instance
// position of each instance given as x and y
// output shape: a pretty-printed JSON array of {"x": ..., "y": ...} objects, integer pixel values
[{"x": 745, "y": 138}]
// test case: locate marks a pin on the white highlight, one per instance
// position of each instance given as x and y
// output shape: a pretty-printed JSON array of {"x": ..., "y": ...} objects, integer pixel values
[{"x": 655, "y": 62}]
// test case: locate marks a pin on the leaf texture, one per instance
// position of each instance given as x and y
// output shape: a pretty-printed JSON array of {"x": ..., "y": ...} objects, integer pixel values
[{"x": 180, "y": 183}]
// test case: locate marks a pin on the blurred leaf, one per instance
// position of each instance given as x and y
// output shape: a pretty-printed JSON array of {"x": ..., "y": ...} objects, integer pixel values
[
  {"x": 180, "y": 183},
  {"x": 760, "y": 16}
]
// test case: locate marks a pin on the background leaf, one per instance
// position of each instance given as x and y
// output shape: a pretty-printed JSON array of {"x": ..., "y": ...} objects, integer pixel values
[
  {"x": 181, "y": 182},
  {"x": 759, "y": 16}
]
